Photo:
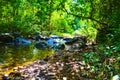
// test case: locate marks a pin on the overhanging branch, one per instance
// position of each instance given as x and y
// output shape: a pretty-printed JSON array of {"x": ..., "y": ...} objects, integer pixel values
[{"x": 84, "y": 17}]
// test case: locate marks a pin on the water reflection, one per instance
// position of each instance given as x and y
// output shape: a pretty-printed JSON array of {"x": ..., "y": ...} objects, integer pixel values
[{"x": 12, "y": 55}]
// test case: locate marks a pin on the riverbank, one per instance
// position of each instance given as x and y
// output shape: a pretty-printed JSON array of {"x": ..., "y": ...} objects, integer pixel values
[
  {"x": 53, "y": 67},
  {"x": 80, "y": 64}
]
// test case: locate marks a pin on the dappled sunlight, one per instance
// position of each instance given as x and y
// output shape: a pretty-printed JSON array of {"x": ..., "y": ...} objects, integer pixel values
[{"x": 60, "y": 40}]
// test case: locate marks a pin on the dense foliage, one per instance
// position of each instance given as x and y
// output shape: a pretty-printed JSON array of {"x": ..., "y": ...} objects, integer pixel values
[
  {"x": 98, "y": 20},
  {"x": 61, "y": 16}
]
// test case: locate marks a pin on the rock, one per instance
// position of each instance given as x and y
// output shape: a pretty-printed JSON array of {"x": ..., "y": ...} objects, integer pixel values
[
  {"x": 41, "y": 45},
  {"x": 40, "y": 37},
  {"x": 37, "y": 78},
  {"x": 76, "y": 42},
  {"x": 37, "y": 37},
  {"x": 6, "y": 38},
  {"x": 16, "y": 34},
  {"x": 51, "y": 42},
  {"x": 64, "y": 78},
  {"x": 58, "y": 47},
  {"x": 22, "y": 41},
  {"x": 56, "y": 37},
  {"x": 5, "y": 77},
  {"x": 15, "y": 76},
  {"x": 56, "y": 43},
  {"x": 9, "y": 39},
  {"x": 51, "y": 74},
  {"x": 70, "y": 40}
]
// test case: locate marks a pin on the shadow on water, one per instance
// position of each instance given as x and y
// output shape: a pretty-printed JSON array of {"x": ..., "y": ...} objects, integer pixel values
[{"x": 14, "y": 55}]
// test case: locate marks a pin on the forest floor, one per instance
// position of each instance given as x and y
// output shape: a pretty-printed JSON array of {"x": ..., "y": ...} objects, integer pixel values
[{"x": 63, "y": 65}]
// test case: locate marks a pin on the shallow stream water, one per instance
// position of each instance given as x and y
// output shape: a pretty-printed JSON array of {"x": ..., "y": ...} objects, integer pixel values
[{"x": 17, "y": 55}]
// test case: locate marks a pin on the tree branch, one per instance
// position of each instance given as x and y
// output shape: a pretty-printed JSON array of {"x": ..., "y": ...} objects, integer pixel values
[{"x": 85, "y": 17}]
